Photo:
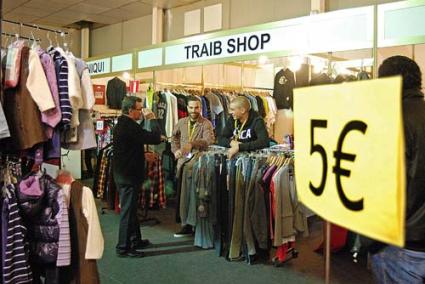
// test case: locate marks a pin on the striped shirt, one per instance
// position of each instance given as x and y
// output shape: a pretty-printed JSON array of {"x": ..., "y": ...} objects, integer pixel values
[
  {"x": 64, "y": 249},
  {"x": 62, "y": 77},
  {"x": 16, "y": 267}
]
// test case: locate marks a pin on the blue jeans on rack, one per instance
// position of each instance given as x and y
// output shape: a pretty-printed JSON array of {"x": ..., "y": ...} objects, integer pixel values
[{"x": 398, "y": 265}]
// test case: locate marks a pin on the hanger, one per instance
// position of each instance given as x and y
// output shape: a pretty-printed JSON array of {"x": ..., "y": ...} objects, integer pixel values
[
  {"x": 48, "y": 38},
  {"x": 34, "y": 41},
  {"x": 56, "y": 39}
]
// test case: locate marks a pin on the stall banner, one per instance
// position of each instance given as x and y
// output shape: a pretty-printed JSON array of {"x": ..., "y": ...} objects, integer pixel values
[
  {"x": 349, "y": 156},
  {"x": 99, "y": 94}
]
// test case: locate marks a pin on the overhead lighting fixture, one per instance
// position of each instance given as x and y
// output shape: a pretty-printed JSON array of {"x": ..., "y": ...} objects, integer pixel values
[
  {"x": 295, "y": 63},
  {"x": 262, "y": 60},
  {"x": 126, "y": 75}
]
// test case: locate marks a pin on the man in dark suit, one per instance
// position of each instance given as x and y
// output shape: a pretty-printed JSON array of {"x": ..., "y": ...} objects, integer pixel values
[{"x": 129, "y": 169}]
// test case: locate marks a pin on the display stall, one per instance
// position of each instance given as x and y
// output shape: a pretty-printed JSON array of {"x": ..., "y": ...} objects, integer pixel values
[{"x": 270, "y": 60}]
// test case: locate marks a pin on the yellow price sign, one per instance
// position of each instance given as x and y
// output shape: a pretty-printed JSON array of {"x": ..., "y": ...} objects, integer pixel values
[{"x": 349, "y": 156}]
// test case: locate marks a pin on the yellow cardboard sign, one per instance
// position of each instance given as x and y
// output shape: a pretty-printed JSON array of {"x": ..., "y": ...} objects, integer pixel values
[{"x": 349, "y": 155}]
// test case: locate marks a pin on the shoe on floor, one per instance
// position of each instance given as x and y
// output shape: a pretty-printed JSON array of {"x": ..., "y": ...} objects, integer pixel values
[
  {"x": 142, "y": 244},
  {"x": 131, "y": 253},
  {"x": 186, "y": 231}
]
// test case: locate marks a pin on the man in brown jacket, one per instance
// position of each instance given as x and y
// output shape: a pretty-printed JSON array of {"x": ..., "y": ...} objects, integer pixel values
[{"x": 191, "y": 134}]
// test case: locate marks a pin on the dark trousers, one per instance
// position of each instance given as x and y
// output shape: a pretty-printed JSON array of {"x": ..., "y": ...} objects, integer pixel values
[{"x": 129, "y": 231}]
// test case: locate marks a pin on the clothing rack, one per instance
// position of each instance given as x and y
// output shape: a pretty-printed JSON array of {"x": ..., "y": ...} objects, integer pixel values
[
  {"x": 35, "y": 27},
  {"x": 18, "y": 36},
  {"x": 190, "y": 85}
]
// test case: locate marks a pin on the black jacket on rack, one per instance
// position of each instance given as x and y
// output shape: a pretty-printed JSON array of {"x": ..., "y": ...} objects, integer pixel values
[
  {"x": 115, "y": 93},
  {"x": 283, "y": 91}
]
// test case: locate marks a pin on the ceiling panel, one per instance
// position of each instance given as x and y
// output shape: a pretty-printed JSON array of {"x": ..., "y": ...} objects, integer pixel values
[
  {"x": 102, "y": 19},
  {"x": 88, "y": 8},
  {"x": 50, "y": 4},
  {"x": 62, "y": 13},
  {"x": 109, "y": 3},
  {"x": 10, "y": 5},
  {"x": 139, "y": 7},
  {"x": 21, "y": 18},
  {"x": 38, "y": 12}
]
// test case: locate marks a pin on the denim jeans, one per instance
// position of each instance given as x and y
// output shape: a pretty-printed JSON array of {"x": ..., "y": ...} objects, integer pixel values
[{"x": 397, "y": 265}]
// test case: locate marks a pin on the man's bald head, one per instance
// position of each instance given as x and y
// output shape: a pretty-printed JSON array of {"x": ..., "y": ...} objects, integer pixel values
[
  {"x": 242, "y": 102},
  {"x": 239, "y": 108}
]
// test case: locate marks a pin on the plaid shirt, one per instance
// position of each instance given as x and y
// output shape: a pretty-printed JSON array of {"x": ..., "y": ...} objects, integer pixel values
[
  {"x": 155, "y": 187},
  {"x": 102, "y": 175}
]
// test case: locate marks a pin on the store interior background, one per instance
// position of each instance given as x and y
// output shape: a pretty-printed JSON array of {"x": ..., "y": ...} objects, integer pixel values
[
  {"x": 116, "y": 26},
  {"x": 122, "y": 25}
]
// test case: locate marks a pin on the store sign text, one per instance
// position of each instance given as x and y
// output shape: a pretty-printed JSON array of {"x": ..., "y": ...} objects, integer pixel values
[
  {"x": 231, "y": 45},
  {"x": 101, "y": 66}
]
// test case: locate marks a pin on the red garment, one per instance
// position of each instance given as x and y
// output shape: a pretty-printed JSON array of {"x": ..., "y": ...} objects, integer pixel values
[
  {"x": 182, "y": 113},
  {"x": 282, "y": 251},
  {"x": 338, "y": 239}
]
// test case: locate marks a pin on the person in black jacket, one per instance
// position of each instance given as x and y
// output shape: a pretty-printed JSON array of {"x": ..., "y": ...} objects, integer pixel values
[
  {"x": 128, "y": 164},
  {"x": 407, "y": 265},
  {"x": 245, "y": 130}
]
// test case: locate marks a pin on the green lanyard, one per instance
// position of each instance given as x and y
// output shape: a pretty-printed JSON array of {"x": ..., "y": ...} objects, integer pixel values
[
  {"x": 191, "y": 130},
  {"x": 239, "y": 130}
]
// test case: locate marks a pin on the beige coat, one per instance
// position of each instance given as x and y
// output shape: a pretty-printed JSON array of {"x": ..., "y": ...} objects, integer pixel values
[{"x": 203, "y": 136}]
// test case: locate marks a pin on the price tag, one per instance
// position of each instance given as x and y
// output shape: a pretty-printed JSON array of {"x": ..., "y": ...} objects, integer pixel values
[
  {"x": 99, "y": 125},
  {"x": 350, "y": 156}
]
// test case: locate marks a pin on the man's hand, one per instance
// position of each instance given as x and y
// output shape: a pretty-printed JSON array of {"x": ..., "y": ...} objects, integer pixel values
[
  {"x": 148, "y": 114},
  {"x": 178, "y": 154},
  {"x": 163, "y": 138},
  {"x": 186, "y": 149},
  {"x": 234, "y": 143},
  {"x": 233, "y": 151}
]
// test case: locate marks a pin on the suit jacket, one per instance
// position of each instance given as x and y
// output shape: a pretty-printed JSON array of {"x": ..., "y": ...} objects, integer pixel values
[
  {"x": 203, "y": 136},
  {"x": 128, "y": 160},
  {"x": 115, "y": 93}
]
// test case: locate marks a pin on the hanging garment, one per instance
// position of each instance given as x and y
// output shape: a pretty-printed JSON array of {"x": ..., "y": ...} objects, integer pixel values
[
  {"x": 115, "y": 93},
  {"x": 15, "y": 266},
  {"x": 64, "y": 245},
  {"x": 51, "y": 117},
  {"x": 85, "y": 133},
  {"x": 4, "y": 128},
  {"x": 284, "y": 84},
  {"x": 61, "y": 66},
  {"x": 37, "y": 84},
  {"x": 21, "y": 112},
  {"x": 40, "y": 212},
  {"x": 84, "y": 270},
  {"x": 13, "y": 64}
]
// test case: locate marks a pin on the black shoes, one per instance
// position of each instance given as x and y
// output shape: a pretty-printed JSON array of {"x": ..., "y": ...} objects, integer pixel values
[
  {"x": 135, "y": 251},
  {"x": 186, "y": 231},
  {"x": 131, "y": 253},
  {"x": 142, "y": 245}
]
